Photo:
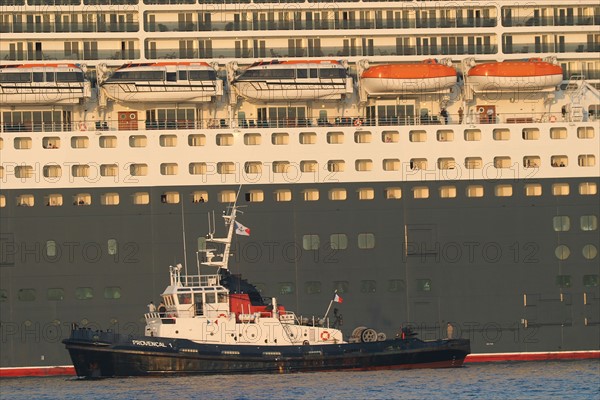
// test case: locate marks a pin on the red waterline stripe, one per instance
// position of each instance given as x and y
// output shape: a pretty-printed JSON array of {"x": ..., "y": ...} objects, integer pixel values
[{"x": 37, "y": 371}]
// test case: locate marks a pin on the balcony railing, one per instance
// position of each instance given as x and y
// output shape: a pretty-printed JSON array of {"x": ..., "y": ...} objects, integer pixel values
[
  {"x": 71, "y": 27},
  {"x": 48, "y": 55}
]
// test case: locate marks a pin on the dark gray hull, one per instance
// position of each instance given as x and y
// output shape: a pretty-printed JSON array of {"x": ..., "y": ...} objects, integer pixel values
[{"x": 487, "y": 265}]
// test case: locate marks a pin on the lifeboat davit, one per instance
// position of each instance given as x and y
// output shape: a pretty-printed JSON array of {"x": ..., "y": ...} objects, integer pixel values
[
  {"x": 163, "y": 82},
  {"x": 426, "y": 76},
  {"x": 533, "y": 74},
  {"x": 294, "y": 80},
  {"x": 43, "y": 84}
]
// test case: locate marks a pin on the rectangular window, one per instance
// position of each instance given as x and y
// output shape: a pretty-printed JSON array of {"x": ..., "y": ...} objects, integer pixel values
[
  {"x": 474, "y": 191},
  {"x": 588, "y": 188},
  {"x": 560, "y": 189},
  {"x": 310, "y": 242},
  {"x": 283, "y": 195},
  {"x": 393, "y": 193},
  {"x": 424, "y": 285},
  {"x": 533, "y": 189},
  {"x": 561, "y": 223},
  {"x": 338, "y": 241},
  {"x": 366, "y": 240},
  {"x": 366, "y": 194},
  {"x": 196, "y": 140},
  {"x": 420, "y": 192},
  {"x": 109, "y": 199},
  {"x": 337, "y": 194},
  {"x": 141, "y": 198},
  {"x": 310, "y": 194},
  {"x": 503, "y": 190},
  {"x": 447, "y": 192},
  {"x": 588, "y": 223},
  {"x": 197, "y": 168}
]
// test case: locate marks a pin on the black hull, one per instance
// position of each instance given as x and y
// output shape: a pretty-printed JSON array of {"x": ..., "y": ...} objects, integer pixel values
[{"x": 104, "y": 354}]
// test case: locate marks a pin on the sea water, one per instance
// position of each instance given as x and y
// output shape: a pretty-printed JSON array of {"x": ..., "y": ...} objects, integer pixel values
[{"x": 508, "y": 380}]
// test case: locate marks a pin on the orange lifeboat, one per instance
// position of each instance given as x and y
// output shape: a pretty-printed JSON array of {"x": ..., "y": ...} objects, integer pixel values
[
  {"x": 426, "y": 76},
  {"x": 533, "y": 74}
]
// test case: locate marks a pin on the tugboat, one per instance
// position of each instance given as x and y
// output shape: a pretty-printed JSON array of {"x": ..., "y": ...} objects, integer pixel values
[{"x": 219, "y": 323}]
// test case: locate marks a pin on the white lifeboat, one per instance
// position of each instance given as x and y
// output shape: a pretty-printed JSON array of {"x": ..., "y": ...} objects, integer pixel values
[
  {"x": 426, "y": 76},
  {"x": 294, "y": 80},
  {"x": 43, "y": 84},
  {"x": 532, "y": 74},
  {"x": 163, "y": 82}
]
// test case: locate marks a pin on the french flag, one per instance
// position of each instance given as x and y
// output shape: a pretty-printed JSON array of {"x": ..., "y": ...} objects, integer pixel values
[
  {"x": 241, "y": 229},
  {"x": 337, "y": 298}
]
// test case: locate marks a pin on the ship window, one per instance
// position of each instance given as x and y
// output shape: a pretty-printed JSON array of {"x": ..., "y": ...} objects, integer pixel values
[
  {"x": 445, "y": 135},
  {"x": 52, "y": 171},
  {"x": 112, "y": 292},
  {"x": 51, "y": 142},
  {"x": 282, "y": 195},
  {"x": 221, "y": 297},
  {"x": 588, "y": 223},
  {"x": 24, "y": 171},
  {"x": 199, "y": 196},
  {"x": 80, "y": 170},
  {"x": 586, "y": 160},
  {"x": 472, "y": 135},
  {"x": 252, "y": 139},
  {"x": 337, "y": 194},
  {"x": 80, "y": 142},
  {"x": 446, "y": 163},
  {"x": 201, "y": 243},
  {"x": 503, "y": 190},
  {"x": 22, "y": 143},
  {"x": 418, "y": 163},
  {"x": 563, "y": 281},
  {"x": 396, "y": 285},
  {"x": 286, "y": 288},
  {"x": 227, "y": 196},
  {"x": 109, "y": 170},
  {"x": 312, "y": 287},
  {"x": 281, "y": 167},
  {"x": 368, "y": 286},
  {"x": 366, "y": 193},
  {"x": 308, "y": 138},
  {"x": 311, "y": 242},
  {"x": 253, "y": 167},
  {"x": 390, "y": 136},
  {"x": 393, "y": 193},
  {"x": 51, "y": 248},
  {"x": 2, "y": 201},
  {"x": 108, "y": 142},
  {"x": 501, "y": 134},
  {"x": 338, "y": 241},
  {"x": 170, "y": 198},
  {"x": 562, "y": 252},
  {"x": 168, "y": 169},
  {"x": 424, "y": 285},
  {"x": 54, "y": 200},
  {"x": 560, "y": 189},
  {"x": 590, "y": 280},
  {"x": 447, "y": 192},
  {"x": 255, "y": 196},
  {"x": 309, "y": 166},
  {"x": 310, "y": 194},
  {"x": 341, "y": 287},
  {"x": 335, "y": 137},
  {"x": 502, "y": 162},
  {"x": 168, "y": 140},
  {"x": 474, "y": 191},
  {"x": 26, "y": 294},
  {"x": 531, "y": 133},
  {"x": 561, "y": 223},
  {"x": 1, "y": 144},
  {"x": 280, "y": 138},
  {"x": 391, "y": 164},
  {"x": 109, "y": 199},
  {"x": 420, "y": 192},
  {"x": 532, "y": 162},
  {"x": 585, "y": 132},
  {"x": 112, "y": 246},
  {"x": 141, "y": 198},
  {"x": 473, "y": 163},
  {"x": 589, "y": 251},
  {"x": 225, "y": 168},
  {"x": 138, "y": 169},
  {"x": 417, "y": 136},
  {"x": 25, "y": 200},
  {"x": 362, "y": 137},
  {"x": 196, "y": 140},
  {"x": 335, "y": 165},
  {"x": 197, "y": 168},
  {"x": 363, "y": 165},
  {"x": 137, "y": 141},
  {"x": 186, "y": 298},
  {"x": 84, "y": 293},
  {"x": 533, "y": 189},
  {"x": 82, "y": 199},
  {"x": 366, "y": 240},
  {"x": 588, "y": 188},
  {"x": 558, "y": 133},
  {"x": 55, "y": 294},
  {"x": 559, "y": 161}
]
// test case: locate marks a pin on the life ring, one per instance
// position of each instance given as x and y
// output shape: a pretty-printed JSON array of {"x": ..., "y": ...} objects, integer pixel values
[
  {"x": 552, "y": 118},
  {"x": 357, "y": 122},
  {"x": 82, "y": 126},
  {"x": 325, "y": 335},
  {"x": 222, "y": 315}
]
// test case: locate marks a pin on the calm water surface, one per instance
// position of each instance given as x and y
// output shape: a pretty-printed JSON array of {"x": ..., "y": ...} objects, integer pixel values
[{"x": 518, "y": 380}]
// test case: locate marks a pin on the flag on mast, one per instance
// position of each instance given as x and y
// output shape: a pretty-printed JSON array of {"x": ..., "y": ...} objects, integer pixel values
[
  {"x": 337, "y": 298},
  {"x": 241, "y": 229}
]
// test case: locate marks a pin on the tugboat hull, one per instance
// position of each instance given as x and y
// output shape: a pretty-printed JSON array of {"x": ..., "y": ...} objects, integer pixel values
[{"x": 104, "y": 354}]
